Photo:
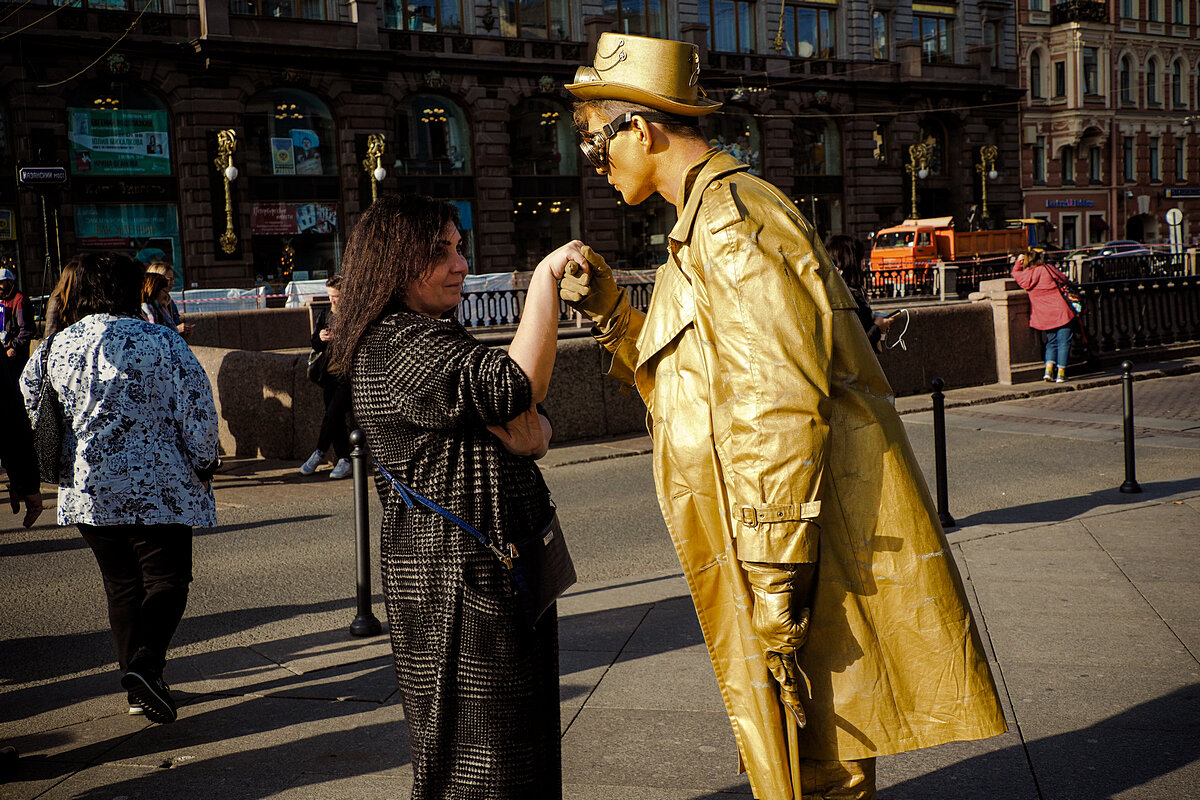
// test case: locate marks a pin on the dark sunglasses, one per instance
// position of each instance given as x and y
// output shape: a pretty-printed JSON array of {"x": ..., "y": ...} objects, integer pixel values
[{"x": 594, "y": 144}]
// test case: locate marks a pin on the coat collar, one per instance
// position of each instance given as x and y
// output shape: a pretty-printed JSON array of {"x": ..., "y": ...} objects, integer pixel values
[{"x": 712, "y": 165}]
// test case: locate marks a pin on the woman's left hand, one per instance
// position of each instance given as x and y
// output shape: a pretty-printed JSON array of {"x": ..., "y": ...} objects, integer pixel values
[{"x": 524, "y": 435}]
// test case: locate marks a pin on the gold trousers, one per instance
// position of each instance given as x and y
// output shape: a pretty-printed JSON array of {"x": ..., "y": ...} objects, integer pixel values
[{"x": 838, "y": 780}]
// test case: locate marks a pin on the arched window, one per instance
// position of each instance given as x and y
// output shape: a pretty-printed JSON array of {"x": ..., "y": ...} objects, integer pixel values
[
  {"x": 817, "y": 148},
  {"x": 1178, "y": 91},
  {"x": 116, "y": 129},
  {"x": 1152, "y": 82},
  {"x": 1035, "y": 75},
  {"x": 432, "y": 137},
  {"x": 289, "y": 133},
  {"x": 432, "y": 155},
  {"x": 545, "y": 169},
  {"x": 291, "y": 158},
  {"x": 1126, "y": 79},
  {"x": 735, "y": 130}
]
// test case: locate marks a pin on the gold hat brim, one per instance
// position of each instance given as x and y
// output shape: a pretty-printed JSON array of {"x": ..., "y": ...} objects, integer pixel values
[{"x": 610, "y": 90}]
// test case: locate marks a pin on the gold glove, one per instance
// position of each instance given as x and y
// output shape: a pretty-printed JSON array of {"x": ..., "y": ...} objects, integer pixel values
[
  {"x": 594, "y": 293},
  {"x": 780, "y": 618}
]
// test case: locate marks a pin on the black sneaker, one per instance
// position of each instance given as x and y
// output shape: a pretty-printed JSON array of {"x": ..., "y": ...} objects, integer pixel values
[
  {"x": 152, "y": 694},
  {"x": 135, "y": 707}
]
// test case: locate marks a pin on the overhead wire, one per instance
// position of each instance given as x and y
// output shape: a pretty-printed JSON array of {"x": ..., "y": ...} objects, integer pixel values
[{"x": 110, "y": 48}]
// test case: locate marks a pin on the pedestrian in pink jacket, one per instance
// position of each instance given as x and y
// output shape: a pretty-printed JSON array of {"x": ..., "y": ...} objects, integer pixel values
[{"x": 1048, "y": 312}]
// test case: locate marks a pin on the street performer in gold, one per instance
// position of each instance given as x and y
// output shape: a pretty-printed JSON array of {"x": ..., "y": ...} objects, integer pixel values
[{"x": 830, "y": 603}]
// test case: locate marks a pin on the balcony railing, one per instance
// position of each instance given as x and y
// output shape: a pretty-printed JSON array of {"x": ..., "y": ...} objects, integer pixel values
[{"x": 1078, "y": 11}]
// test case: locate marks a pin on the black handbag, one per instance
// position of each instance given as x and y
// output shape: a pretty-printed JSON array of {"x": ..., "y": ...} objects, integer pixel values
[
  {"x": 317, "y": 361},
  {"x": 540, "y": 565},
  {"x": 48, "y": 424}
]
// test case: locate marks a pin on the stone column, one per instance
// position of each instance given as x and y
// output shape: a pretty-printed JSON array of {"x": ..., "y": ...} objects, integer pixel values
[
  {"x": 214, "y": 19},
  {"x": 1016, "y": 343},
  {"x": 365, "y": 15}
]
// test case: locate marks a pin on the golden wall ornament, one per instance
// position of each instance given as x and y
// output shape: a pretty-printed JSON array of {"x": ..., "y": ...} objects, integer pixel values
[
  {"x": 226, "y": 146},
  {"x": 373, "y": 163}
]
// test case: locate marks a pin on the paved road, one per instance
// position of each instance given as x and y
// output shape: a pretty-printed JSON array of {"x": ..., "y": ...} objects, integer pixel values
[{"x": 1067, "y": 576}]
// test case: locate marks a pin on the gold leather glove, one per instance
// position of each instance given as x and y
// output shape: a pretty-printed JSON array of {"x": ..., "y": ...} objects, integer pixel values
[
  {"x": 780, "y": 618},
  {"x": 593, "y": 293}
]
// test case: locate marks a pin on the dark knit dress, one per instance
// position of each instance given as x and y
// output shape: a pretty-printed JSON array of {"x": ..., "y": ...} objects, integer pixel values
[{"x": 480, "y": 689}]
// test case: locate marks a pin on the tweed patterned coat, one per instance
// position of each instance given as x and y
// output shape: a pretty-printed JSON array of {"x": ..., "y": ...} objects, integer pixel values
[{"x": 480, "y": 689}]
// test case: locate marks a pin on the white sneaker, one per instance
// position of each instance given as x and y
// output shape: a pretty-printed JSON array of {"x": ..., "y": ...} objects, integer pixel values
[
  {"x": 341, "y": 469},
  {"x": 314, "y": 461}
]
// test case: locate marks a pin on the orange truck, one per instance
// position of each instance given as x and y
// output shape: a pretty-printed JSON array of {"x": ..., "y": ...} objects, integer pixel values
[{"x": 918, "y": 243}]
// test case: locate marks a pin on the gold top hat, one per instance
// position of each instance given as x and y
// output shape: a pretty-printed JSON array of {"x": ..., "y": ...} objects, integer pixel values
[{"x": 658, "y": 73}]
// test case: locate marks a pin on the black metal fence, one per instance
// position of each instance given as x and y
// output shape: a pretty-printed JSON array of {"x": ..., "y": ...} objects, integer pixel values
[
  {"x": 1142, "y": 312},
  {"x": 499, "y": 307}
]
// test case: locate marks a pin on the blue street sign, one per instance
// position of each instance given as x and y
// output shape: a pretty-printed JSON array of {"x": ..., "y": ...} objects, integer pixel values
[{"x": 40, "y": 176}]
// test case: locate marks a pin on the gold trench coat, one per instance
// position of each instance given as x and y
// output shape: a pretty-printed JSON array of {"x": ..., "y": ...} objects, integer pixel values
[{"x": 775, "y": 439}]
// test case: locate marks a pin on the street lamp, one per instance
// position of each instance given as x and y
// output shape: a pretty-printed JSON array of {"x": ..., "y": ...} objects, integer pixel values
[
  {"x": 226, "y": 146},
  {"x": 987, "y": 170},
  {"x": 917, "y": 167},
  {"x": 373, "y": 163}
]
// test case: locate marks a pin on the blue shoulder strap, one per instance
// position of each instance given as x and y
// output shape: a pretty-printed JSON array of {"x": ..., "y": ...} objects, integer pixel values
[{"x": 409, "y": 496}]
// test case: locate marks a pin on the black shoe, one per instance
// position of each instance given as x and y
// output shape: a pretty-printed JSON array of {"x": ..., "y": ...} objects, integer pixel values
[
  {"x": 135, "y": 706},
  {"x": 153, "y": 694}
]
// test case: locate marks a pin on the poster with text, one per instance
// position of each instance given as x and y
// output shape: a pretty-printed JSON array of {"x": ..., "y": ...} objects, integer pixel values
[
  {"x": 119, "y": 142},
  {"x": 283, "y": 160}
]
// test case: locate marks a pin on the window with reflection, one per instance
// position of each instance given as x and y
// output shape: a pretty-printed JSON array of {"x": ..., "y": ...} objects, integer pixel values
[
  {"x": 118, "y": 129},
  {"x": 432, "y": 137},
  {"x": 284, "y": 9},
  {"x": 811, "y": 31},
  {"x": 1125, "y": 78},
  {"x": 881, "y": 26},
  {"x": 1091, "y": 71},
  {"x": 1152, "y": 82},
  {"x": 1035, "y": 75},
  {"x": 639, "y": 17},
  {"x": 445, "y": 16},
  {"x": 1177, "y": 86},
  {"x": 735, "y": 130},
  {"x": 535, "y": 19},
  {"x": 1067, "y": 162},
  {"x": 817, "y": 148},
  {"x": 155, "y": 6},
  {"x": 730, "y": 24},
  {"x": 936, "y": 35},
  {"x": 542, "y": 139},
  {"x": 289, "y": 133}
]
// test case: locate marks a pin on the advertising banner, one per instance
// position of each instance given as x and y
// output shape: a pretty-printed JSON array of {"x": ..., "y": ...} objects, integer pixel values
[
  {"x": 286, "y": 219},
  {"x": 306, "y": 144},
  {"x": 150, "y": 231},
  {"x": 283, "y": 159},
  {"x": 118, "y": 142}
]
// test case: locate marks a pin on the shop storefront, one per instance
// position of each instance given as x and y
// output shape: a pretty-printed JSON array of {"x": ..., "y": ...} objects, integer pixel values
[
  {"x": 123, "y": 183},
  {"x": 1080, "y": 219},
  {"x": 293, "y": 185}
]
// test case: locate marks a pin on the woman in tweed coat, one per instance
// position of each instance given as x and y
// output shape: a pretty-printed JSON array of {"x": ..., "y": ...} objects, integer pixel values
[{"x": 457, "y": 421}]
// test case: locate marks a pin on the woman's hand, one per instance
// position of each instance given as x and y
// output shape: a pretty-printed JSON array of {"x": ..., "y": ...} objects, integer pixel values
[
  {"x": 526, "y": 435},
  {"x": 557, "y": 261},
  {"x": 325, "y": 334}
]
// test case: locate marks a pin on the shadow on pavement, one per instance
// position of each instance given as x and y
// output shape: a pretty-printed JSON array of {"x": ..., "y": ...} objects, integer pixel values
[
  {"x": 1065, "y": 508},
  {"x": 1149, "y": 741}
]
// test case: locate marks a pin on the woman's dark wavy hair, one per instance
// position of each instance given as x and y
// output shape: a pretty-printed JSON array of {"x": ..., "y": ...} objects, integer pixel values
[
  {"x": 847, "y": 254},
  {"x": 66, "y": 292},
  {"x": 392, "y": 247},
  {"x": 109, "y": 283}
]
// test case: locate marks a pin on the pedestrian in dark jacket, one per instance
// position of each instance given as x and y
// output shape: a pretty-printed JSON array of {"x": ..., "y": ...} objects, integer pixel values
[
  {"x": 16, "y": 450},
  {"x": 17, "y": 318}
]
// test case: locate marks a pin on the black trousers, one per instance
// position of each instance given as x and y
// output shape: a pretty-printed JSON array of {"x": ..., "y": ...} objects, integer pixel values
[
  {"x": 146, "y": 571},
  {"x": 333, "y": 425}
]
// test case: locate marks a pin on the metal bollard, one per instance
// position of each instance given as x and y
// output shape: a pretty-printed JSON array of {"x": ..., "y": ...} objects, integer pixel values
[
  {"x": 939, "y": 453},
  {"x": 1130, "y": 486},
  {"x": 365, "y": 624}
]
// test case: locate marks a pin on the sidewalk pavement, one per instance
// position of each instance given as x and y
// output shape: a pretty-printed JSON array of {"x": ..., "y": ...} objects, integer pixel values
[{"x": 1092, "y": 625}]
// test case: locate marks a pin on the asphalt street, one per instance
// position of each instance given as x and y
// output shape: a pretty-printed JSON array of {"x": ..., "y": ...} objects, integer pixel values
[{"x": 276, "y": 578}]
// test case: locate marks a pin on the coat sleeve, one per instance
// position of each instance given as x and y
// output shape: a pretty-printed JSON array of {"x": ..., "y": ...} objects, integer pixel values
[
  {"x": 195, "y": 409},
  {"x": 442, "y": 378},
  {"x": 619, "y": 337},
  {"x": 1025, "y": 278},
  {"x": 771, "y": 341}
]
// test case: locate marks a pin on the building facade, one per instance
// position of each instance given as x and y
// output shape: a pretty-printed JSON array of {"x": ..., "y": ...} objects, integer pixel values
[
  {"x": 1109, "y": 134},
  {"x": 127, "y": 102}
]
